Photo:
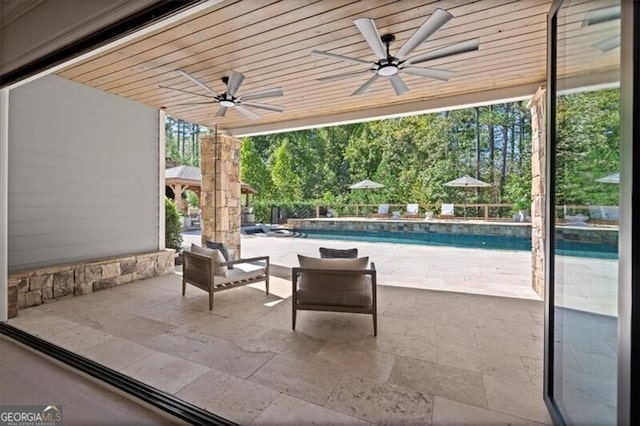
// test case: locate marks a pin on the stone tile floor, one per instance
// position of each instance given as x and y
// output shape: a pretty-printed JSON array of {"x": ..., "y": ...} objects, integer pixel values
[{"x": 439, "y": 358}]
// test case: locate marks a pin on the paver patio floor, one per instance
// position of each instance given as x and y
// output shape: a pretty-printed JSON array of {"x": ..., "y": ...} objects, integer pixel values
[{"x": 439, "y": 358}]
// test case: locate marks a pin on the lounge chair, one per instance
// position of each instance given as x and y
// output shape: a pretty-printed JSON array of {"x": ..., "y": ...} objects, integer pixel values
[
  {"x": 335, "y": 285},
  {"x": 446, "y": 211},
  {"x": 383, "y": 211},
  {"x": 207, "y": 270},
  {"x": 412, "y": 211}
]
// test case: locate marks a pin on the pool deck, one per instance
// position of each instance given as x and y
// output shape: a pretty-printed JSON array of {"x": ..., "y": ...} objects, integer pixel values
[{"x": 505, "y": 273}]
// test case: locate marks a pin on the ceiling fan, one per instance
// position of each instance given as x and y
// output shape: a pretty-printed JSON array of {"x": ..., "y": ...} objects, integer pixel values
[
  {"x": 228, "y": 99},
  {"x": 391, "y": 66}
]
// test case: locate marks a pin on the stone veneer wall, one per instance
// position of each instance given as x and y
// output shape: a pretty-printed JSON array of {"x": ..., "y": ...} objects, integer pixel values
[
  {"x": 220, "y": 194},
  {"x": 538, "y": 188},
  {"x": 37, "y": 286}
]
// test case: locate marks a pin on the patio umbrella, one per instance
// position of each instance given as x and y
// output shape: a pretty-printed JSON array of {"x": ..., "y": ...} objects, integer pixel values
[
  {"x": 467, "y": 181},
  {"x": 366, "y": 184},
  {"x": 613, "y": 178}
]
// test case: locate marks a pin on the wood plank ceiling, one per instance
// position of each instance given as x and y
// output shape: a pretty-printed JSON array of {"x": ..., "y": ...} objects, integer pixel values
[{"x": 270, "y": 42}]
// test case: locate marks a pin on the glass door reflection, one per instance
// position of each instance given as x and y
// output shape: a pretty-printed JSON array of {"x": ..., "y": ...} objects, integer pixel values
[{"x": 586, "y": 199}]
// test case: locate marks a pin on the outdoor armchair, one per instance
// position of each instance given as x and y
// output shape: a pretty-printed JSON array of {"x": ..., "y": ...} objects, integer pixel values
[
  {"x": 335, "y": 285},
  {"x": 412, "y": 212},
  {"x": 207, "y": 270}
]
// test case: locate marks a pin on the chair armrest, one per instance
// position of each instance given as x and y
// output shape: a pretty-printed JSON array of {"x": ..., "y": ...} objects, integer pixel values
[
  {"x": 194, "y": 262},
  {"x": 247, "y": 260},
  {"x": 298, "y": 270}
]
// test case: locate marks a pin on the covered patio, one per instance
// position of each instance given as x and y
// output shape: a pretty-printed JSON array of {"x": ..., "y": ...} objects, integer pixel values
[{"x": 440, "y": 357}]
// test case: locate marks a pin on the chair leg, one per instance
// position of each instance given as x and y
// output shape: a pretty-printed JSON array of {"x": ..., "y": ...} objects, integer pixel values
[
  {"x": 375, "y": 324},
  {"x": 184, "y": 286},
  {"x": 210, "y": 300},
  {"x": 267, "y": 284},
  {"x": 293, "y": 322}
]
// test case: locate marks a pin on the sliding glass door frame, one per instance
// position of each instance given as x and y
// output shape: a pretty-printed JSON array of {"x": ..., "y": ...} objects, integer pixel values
[
  {"x": 628, "y": 384},
  {"x": 549, "y": 221}
]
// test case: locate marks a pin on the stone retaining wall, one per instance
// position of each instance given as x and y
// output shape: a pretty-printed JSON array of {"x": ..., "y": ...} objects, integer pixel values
[
  {"x": 43, "y": 285},
  {"x": 448, "y": 227},
  {"x": 583, "y": 234}
]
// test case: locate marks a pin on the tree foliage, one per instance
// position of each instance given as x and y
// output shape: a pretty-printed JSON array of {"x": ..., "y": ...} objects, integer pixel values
[
  {"x": 182, "y": 141},
  {"x": 172, "y": 225},
  {"x": 414, "y": 156}
]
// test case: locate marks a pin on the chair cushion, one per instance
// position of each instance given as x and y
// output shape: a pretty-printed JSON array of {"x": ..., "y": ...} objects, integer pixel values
[
  {"x": 223, "y": 250},
  {"x": 242, "y": 271},
  {"x": 334, "y": 289},
  {"x": 329, "y": 253},
  {"x": 316, "y": 263},
  {"x": 217, "y": 257}
]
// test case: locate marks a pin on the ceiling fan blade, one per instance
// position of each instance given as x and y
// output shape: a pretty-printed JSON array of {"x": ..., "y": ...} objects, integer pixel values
[
  {"x": 430, "y": 26},
  {"x": 221, "y": 111},
  {"x": 235, "y": 80},
  {"x": 398, "y": 84},
  {"x": 343, "y": 75},
  {"x": 365, "y": 86},
  {"x": 249, "y": 114},
  {"x": 604, "y": 14},
  {"x": 437, "y": 74},
  {"x": 269, "y": 107},
  {"x": 339, "y": 57},
  {"x": 195, "y": 103},
  {"x": 186, "y": 91},
  {"x": 269, "y": 93},
  {"x": 198, "y": 82},
  {"x": 608, "y": 44},
  {"x": 453, "y": 49},
  {"x": 370, "y": 33}
]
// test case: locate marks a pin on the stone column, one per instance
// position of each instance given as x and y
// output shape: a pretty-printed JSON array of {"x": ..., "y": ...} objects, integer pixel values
[
  {"x": 537, "y": 106},
  {"x": 220, "y": 194}
]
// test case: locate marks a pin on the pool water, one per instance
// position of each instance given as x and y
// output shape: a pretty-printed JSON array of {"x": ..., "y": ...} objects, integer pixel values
[{"x": 494, "y": 242}]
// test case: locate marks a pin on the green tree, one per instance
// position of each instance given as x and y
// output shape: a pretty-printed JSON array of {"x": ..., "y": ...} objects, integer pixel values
[
  {"x": 286, "y": 182},
  {"x": 587, "y": 147},
  {"x": 254, "y": 170}
]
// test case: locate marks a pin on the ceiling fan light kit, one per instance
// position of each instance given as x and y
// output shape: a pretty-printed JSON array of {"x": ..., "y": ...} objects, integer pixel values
[{"x": 392, "y": 67}]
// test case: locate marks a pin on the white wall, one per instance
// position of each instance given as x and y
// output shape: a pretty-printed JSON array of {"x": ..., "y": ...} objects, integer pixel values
[{"x": 83, "y": 174}]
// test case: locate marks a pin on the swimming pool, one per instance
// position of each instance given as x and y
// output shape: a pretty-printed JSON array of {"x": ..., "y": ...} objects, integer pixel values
[{"x": 495, "y": 242}]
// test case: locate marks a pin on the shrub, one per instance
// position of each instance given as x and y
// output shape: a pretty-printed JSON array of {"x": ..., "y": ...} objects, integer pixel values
[
  {"x": 192, "y": 198},
  {"x": 172, "y": 225}
]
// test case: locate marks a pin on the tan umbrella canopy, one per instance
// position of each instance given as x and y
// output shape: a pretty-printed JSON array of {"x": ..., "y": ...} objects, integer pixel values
[
  {"x": 467, "y": 181},
  {"x": 366, "y": 184}
]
